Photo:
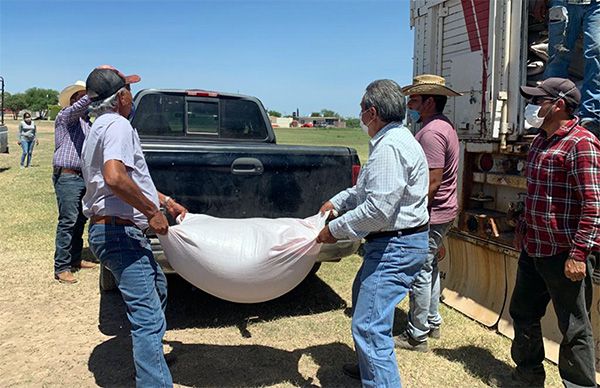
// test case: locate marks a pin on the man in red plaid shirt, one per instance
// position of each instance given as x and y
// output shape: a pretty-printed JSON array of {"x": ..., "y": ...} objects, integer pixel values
[{"x": 560, "y": 229}]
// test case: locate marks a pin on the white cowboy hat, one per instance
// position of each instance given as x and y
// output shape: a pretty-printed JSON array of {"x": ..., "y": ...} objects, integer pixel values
[
  {"x": 64, "y": 99},
  {"x": 429, "y": 84}
]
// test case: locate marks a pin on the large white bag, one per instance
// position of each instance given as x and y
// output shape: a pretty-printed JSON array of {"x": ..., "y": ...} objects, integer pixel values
[{"x": 243, "y": 260}]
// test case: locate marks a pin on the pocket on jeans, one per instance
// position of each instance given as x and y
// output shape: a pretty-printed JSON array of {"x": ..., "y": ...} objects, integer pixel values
[{"x": 137, "y": 238}]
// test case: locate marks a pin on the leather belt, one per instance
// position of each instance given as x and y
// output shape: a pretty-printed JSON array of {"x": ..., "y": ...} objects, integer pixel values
[
  {"x": 62, "y": 170},
  {"x": 397, "y": 233},
  {"x": 111, "y": 220}
]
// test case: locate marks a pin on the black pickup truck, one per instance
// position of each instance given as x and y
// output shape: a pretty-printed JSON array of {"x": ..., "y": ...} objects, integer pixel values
[{"x": 216, "y": 154}]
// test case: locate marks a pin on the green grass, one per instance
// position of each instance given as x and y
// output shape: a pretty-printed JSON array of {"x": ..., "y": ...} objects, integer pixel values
[
  {"x": 346, "y": 137},
  {"x": 53, "y": 335}
]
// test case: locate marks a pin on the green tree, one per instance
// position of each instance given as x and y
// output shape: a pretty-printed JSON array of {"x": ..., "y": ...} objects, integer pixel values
[
  {"x": 16, "y": 103},
  {"x": 38, "y": 99},
  {"x": 329, "y": 113},
  {"x": 274, "y": 113},
  {"x": 315, "y": 114},
  {"x": 352, "y": 122}
]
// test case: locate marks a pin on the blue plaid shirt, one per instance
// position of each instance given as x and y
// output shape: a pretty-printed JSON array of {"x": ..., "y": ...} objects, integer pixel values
[
  {"x": 70, "y": 128},
  {"x": 391, "y": 191}
]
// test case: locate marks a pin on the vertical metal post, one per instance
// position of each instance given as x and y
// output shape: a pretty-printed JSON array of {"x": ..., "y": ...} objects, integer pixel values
[{"x": 2, "y": 104}]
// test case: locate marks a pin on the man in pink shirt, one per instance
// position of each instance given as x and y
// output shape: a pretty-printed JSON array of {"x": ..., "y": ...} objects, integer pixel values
[{"x": 427, "y": 99}]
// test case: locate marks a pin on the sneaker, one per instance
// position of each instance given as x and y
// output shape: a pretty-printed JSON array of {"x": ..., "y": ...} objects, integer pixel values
[
  {"x": 434, "y": 333},
  {"x": 352, "y": 370},
  {"x": 405, "y": 341}
]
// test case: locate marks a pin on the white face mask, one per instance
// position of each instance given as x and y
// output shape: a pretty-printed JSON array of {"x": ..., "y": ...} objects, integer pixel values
[
  {"x": 363, "y": 126},
  {"x": 531, "y": 115}
]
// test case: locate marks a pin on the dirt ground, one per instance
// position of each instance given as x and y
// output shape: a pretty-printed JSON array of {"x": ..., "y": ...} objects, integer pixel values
[{"x": 72, "y": 335}]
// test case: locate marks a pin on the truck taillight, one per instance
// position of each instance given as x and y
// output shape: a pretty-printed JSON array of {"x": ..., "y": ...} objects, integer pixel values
[{"x": 355, "y": 172}]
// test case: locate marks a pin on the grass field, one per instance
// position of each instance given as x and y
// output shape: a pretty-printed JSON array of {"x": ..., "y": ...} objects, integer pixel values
[{"x": 57, "y": 335}]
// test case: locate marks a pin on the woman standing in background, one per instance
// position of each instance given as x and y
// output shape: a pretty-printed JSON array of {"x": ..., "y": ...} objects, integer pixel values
[{"x": 27, "y": 135}]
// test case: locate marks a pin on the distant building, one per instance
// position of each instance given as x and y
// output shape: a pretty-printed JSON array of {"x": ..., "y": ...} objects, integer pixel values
[
  {"x": 322, "y": 122},
  {"x": 280, "y": 122}
]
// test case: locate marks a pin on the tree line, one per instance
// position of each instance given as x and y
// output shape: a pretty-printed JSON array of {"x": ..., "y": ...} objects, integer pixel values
[{"x": 33, "y": 99}]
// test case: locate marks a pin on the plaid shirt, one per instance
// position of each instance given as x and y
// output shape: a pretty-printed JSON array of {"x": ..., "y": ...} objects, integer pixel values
[
  {"x": 70, "y": 128},
  {"x": 562, "y": 208}
]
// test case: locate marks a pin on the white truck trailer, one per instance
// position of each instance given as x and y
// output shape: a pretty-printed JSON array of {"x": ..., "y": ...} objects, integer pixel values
[{"x": 486, "y": 49}]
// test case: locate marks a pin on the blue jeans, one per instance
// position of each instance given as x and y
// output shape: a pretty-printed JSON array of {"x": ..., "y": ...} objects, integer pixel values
[
  {"x": 27, "y": 146},
  {"x": 565, "y": 23},
  {"x": 424, "y": 313},
  {"x": 69, "y": 189},
  {"x": 387, "y": 272},
  {"x": 127, "y": 253}
]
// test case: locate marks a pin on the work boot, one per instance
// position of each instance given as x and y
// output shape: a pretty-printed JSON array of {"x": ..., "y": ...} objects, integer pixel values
[
  {"x": 65, "y": 277},
  {"x": 84, "y": 264},
  {"x": 405, "y": 341},
  {"x": 517, "y": 379},
  {"x": 352, "y": 370},
  {"x": 434, "y": 333}
]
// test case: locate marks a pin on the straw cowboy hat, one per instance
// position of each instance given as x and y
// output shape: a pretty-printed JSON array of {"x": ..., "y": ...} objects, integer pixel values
[
  {"x": 429, "y": 84},
  {"x": 64, "y": 99}
]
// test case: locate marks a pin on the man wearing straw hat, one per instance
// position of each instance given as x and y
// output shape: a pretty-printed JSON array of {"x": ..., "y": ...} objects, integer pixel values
[
  {"x": 71, "y": 126},
  {"x": 427, "y": 98}
]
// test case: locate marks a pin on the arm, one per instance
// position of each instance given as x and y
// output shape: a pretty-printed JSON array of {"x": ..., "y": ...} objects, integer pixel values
[
  {"x": 74, "y": 112},
  {"x": 117, "y": 179},
  {"x": 345, "y": 200},
  {"x": 435, "y": 181},
  {"x": 19, "y": 133},
  {"x": 584, "y": 166},
  {"x": 170, "y": 205}
]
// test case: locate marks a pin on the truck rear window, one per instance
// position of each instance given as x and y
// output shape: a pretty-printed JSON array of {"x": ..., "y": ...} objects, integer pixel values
[{"x": 231, "y": 118}]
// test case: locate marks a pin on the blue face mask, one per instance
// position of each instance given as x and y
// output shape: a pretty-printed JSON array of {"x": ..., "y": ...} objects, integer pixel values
[{"x": 413, "y": 115}]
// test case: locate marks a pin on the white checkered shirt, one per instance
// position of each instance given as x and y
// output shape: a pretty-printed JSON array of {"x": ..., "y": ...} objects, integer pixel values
[{"x": 391, "y": 191}]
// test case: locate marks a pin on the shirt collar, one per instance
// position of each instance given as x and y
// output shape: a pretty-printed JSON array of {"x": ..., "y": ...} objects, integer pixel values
[
  {"x": 563, "y": 130},
  {"x": 379, "y": 135}
]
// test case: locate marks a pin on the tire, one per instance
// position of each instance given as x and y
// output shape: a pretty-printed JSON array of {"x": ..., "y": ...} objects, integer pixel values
[{"x": 107, "y": 280}]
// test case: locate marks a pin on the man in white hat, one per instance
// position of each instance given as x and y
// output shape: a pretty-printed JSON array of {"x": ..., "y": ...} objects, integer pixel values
[
  {"x": 427, "y": 98},
  {"x": 71, "y": 125}
]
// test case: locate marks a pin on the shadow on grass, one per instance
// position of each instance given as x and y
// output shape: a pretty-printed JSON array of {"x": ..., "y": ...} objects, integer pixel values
[
  {"x": 202, "y": 365},
  {"x": 481, "y": 363},
  {"x": 189, "y": 307}
]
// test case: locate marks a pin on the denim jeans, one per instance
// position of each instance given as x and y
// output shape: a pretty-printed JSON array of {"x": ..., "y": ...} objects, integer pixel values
[
  {"x": 127, "y": 253},
  {"x": 27, "y": 147},
  {"x": 69, "y": 189},
  {"x": 383, "y": 280},
  {"x": 564, "y": 26},
  {"x": 424, "y": 314},
  {"x": 539, "y": 281}
]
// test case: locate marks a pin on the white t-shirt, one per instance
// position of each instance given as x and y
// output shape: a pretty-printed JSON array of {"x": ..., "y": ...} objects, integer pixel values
[{"x": 113, "y": 138}]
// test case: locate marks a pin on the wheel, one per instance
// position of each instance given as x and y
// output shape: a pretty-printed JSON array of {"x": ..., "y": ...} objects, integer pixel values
[{"x": 107, "y": 280}]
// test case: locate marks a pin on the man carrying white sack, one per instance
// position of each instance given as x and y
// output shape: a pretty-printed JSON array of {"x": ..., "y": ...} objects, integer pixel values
[
  {"x": 121, "y": 202},
  {"x": 388, "y": 207}
]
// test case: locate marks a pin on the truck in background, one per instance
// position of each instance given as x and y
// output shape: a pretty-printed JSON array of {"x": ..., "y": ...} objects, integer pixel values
[{"x": 487, "y": 49}]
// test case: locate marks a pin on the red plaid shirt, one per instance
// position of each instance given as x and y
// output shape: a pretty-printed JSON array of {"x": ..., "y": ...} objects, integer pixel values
[{"x": 562, "y": 208}]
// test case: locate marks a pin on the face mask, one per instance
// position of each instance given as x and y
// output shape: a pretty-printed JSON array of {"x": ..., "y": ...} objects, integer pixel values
[
  {"x": 531, "y": 115},
  {"x": 413, "y": 115},
  {"x": 364, "y": 127}
]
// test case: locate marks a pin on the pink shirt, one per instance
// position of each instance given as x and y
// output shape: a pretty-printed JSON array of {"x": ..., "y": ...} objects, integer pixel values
[{"x": 440, "y": 143}]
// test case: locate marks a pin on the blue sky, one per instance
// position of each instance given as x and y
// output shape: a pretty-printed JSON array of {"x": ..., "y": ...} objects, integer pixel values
[{"x": 290, "y": 54}]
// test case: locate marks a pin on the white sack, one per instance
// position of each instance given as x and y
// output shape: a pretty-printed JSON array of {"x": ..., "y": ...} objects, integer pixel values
[{"x": 243, "y": 260}]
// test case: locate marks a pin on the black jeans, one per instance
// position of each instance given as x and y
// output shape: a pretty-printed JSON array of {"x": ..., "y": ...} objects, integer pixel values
[
  {"x": 69, "y": 189},
  {"x": 540, "y": 280}
]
